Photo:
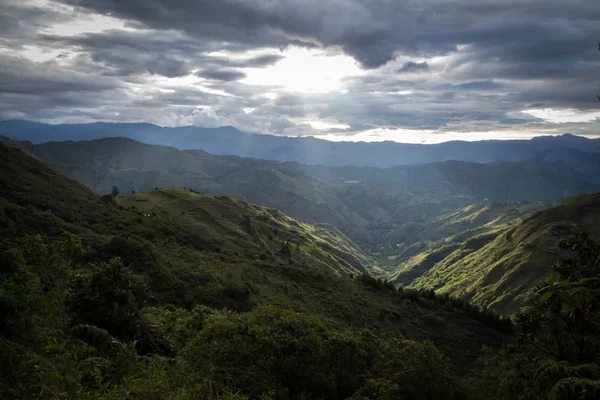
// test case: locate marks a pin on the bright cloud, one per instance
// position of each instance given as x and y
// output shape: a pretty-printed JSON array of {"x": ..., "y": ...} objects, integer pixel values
[
  {"x": 306, "y": 71},
  {"x": 565, "y": 115}
]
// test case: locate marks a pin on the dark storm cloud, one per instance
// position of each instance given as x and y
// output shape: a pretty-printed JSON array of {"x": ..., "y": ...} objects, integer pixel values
[
  {"x": 372, "y": 31},
  {"x": 45, "y": 90},
  {"x": 352, "y": 25},
  {"x": 169, "y": 54},
  {"x": 131, "y": 53},
  {"x": 527, "y": 49},
  {"x": 18, "y": 20},
  {"x": 436, "y": 64},
  {"x": 21, "y": 76},
  {"x": 221, "y": 74},
  {"x": 411, "y": 66}
]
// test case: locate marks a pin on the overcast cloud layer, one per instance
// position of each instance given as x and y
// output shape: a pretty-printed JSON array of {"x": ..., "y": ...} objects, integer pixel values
[{"x": 344, "y": 69}]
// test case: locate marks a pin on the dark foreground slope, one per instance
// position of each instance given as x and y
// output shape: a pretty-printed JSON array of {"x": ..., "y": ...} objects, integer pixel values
[
  {"x": 97, "y": 265},
  {"x": 500, "y": 272}
]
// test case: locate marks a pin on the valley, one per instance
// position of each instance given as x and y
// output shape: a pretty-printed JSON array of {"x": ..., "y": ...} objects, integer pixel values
[
  {"x": 299, "y": 200},
  {"x": 367, "y": 204},
  {"x": 430, "y": 226},
  {"x": 442, "y": 255}
]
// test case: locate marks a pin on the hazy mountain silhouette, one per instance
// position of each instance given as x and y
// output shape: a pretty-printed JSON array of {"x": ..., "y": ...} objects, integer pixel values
[{"x": 306, "y": 150}]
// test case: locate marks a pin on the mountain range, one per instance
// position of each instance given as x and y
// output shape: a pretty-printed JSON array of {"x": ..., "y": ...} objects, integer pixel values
[
  {"x": 309, "y": 150},
  {"x": 365, "y": 203},
  {"x": 407, "y": 222},
  {"x": 134, "y": 270}
]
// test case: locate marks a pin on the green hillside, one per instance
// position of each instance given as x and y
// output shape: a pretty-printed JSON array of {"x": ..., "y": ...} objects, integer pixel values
[
  {"x": 172, "y": 294},
  {"x": 253, "y": 231},
  {"x": 421, "y": 245},
  {"x": 414, "y": 220},
  {"x": 500, "y": 270},
  {"x": 367, "y": 204},
  {"x": 134, "y": 166}
]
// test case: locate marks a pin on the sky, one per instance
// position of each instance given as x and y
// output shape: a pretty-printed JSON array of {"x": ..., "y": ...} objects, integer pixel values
[{"x": 420, "y": 71}]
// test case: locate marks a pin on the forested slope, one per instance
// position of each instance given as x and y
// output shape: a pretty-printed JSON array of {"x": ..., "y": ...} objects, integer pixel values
[{"x": 99, "y": 300}]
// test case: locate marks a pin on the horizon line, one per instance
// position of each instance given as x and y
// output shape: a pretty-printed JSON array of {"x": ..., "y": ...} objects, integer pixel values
[{"x": 331, "y": 137}]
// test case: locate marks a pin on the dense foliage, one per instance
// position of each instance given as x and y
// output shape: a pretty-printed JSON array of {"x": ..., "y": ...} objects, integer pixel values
[
  {"x": 74, "y": 329},
  {"x": 557, "y": 355}
]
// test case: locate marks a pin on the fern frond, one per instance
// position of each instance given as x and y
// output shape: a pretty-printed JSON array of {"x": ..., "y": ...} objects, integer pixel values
[{"x": 574, "y": 388}]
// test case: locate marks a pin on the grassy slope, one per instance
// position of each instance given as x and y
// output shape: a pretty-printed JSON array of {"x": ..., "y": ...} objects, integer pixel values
[
  {"x": 429, "y": 243},
  {"x": 241, "y": 228},
  {"x": 184, "y": 268},
  {"x": 501, "y": 273}
]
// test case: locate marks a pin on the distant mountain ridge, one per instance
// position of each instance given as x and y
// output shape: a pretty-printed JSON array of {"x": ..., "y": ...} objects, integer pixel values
[{"x": 305, "y": 150}]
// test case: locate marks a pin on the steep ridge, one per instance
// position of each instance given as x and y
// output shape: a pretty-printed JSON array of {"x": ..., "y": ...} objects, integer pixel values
[
  {"x": 499, "y": 273},
  {"x": 254, "y": 231},
  {"x": 421, "y": 245},
  {"x": 568, "y": 162},
  {"x": 198, "y": 259}
]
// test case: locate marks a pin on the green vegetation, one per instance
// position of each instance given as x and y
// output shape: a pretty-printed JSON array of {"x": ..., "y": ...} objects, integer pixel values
[
  {"x": 500, "y": 273},
  {"x": 449, "y": 238},
  {"x": 557, "y": 355},
  {"x": 454, "y": 228},
  {"x": 172, "y": 294},
  {"x": 258, "y": 233},
  {"x": 372, "y": 206}
]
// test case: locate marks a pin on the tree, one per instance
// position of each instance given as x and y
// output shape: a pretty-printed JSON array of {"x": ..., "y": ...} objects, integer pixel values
[
  {"x": 558, "y": 352},
  {"x": 115, "y": 192},
  {"x": 569, "y": 300},
  {"x": 286, "y": 250},
  {"x": 109, "y": 296},
  {"x": 108, "y": 198}
]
